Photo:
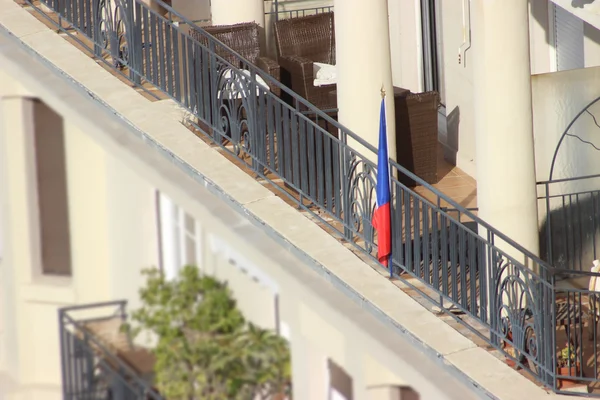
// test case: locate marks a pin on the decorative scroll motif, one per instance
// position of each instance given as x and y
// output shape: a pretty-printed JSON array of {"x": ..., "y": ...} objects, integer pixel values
[
  {"x": 517, "y": 309},
  {"x": 235, "y": 115},
  {"x": 113, "y": 30},
  {"x": 361, "y": 202}
]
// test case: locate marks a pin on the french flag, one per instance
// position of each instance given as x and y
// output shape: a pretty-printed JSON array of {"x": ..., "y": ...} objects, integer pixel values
[{"x": 381, "y": 216}]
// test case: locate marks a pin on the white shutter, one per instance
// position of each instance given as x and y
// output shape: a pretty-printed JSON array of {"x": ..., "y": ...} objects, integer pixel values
[
  {"x": 568, "y": 40},
  {"x": 180, "y": 237},
  {"x": 169, "y": 237}
]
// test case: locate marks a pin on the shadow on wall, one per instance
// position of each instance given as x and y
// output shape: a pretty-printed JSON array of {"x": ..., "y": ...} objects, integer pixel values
[
  {"x": 451, "y": 148},
  {"x": 392, "y": 392},
  {"x": 571, "y": 231},
  {"x": 581, "y": 3}
]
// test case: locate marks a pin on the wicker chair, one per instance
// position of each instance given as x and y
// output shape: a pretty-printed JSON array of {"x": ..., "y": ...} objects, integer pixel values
[
  {"x": 301, "y": 42},
  {"x": 417, "y": 134},
  {"x": 243, "y": 39}
]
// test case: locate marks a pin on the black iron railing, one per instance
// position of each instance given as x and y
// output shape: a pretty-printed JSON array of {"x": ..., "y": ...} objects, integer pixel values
[
  {"x": 91, "y": 370},
  {"x": 294, "y": 9},
  {"x": 570, "y": 230},
  {"x": 458, "y": 259}
]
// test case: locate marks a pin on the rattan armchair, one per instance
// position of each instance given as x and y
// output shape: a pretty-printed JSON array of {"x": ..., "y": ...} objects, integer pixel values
[
  {"x": 244, "y": 39},
  {"x": 301, "y": 42},
  {"x": 417, "y": 134}
]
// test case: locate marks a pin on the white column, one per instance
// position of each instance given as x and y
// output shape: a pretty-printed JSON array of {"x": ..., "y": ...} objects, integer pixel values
[
  {"x": 226, "y": 12},
  {"x": 193, "y": 10},
  {"x": 363, "y": 65},
  {"x": 309, "y": 367},
  {"x": 309, "y": 363},
  {"x": 16, "y": 128},
  {"x": 506, "y": 190}
]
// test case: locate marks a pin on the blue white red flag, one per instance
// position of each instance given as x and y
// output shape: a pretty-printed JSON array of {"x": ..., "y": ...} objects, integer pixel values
[{"x": 381, "y": 216}]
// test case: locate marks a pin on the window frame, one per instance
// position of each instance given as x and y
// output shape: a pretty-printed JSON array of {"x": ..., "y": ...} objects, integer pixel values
[{"x": 173, "y": 237}]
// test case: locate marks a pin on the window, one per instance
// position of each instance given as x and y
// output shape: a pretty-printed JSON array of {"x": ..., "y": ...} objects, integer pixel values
[
  {"x": 51, "y": 185},
  {"x": 568, "y": 39},
  {"x": 431, "y": 34},
  {"x": 340, "y": 383},
  {"x": 179, "y": 237},
  {"x": 245, "y": 277}
]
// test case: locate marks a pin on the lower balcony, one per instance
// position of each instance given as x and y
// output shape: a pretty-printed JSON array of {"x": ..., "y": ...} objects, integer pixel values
[{"x": 99, "y": 361}]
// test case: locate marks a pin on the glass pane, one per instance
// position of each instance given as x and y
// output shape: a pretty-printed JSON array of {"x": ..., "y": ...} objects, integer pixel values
[
  {"x": 190, "y": 224},
  {"x": 190, "y": 251},
  {"x": 175, "y": 214}
]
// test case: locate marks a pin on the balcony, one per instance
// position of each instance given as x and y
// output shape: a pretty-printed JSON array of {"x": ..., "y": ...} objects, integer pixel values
[
  {"x": 484, "y": 284},
  {"x": 98, "y": 360}
]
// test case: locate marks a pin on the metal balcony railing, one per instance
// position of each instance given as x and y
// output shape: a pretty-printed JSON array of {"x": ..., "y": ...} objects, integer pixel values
[
  {"x": 510, "y": 300},
  {"x": 570, "y": 233},
  {"x": 91, "y": 369},
  {"x": 294, "y": 9}
]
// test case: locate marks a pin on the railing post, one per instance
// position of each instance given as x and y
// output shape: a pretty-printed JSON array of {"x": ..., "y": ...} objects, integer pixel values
[
  {"x": 491, "y": 288},
  {"x": 548, "y": 225},
  {"x": 136, "y": 61},
  {"x": 346, "y": 179},
  {"x": 255, "y": 121},
  {"x": 214, "y": 83},
  {"x": 97, "y": 34},
  {"x": 63, "y": 352},
  {"x": 551, "y": 360}
]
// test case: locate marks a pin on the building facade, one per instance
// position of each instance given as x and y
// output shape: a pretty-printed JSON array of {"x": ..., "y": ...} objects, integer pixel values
[{"x": 103, "y": 175}]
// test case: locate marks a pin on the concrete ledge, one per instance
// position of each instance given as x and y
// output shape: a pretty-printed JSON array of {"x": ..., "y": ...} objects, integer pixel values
[{"x": 161, "y": 123}]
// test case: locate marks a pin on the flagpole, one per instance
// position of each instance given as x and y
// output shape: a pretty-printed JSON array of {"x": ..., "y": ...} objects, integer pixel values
[{"x": 390, "y": 262}]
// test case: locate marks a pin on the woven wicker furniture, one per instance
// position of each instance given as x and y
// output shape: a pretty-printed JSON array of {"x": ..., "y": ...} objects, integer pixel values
[
  {"x": 301, "y": 42},
  {"x": 417, "y": 134},
  {"x": 243, "y": 39}
]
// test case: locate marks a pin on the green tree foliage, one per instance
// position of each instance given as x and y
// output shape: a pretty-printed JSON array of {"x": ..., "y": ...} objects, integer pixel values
[{"x": 205, "y": 349}]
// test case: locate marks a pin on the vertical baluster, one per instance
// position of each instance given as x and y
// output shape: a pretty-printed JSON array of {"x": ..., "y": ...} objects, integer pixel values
[
  {"x": 328, "y": 172},
  {"x": 320, "y": 165},
  {"x": 162, "y": 76},
  {"x": 288, "y": 143},
  {"x": 335, "y": 148},
  {"x": 435, "y": 249},
  {"x": 271, "y": 105},
  {"x": 417, "y": 237},
  {"x": 155, "y": 48},
  {"x": 311, "y": 161},
  {"x": 281, "y": 139},
  {"x": 399, "y": 223},
  {"x": 426, "y": 244},
  {"x": 169, "y": 61},
  {"x": 444, "y": 253},
  {"x": 407, "y": 231}
]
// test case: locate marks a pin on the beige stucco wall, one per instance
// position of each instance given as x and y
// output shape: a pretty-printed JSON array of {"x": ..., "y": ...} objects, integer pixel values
[
  {"x": 557, "y": 98},
  {"x": 106, "y": 253}
]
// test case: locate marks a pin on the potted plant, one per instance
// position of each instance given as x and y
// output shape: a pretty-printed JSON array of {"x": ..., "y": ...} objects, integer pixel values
[
  {"x": 566, "y": 365},
  {"x": 512, "y": 352}
]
